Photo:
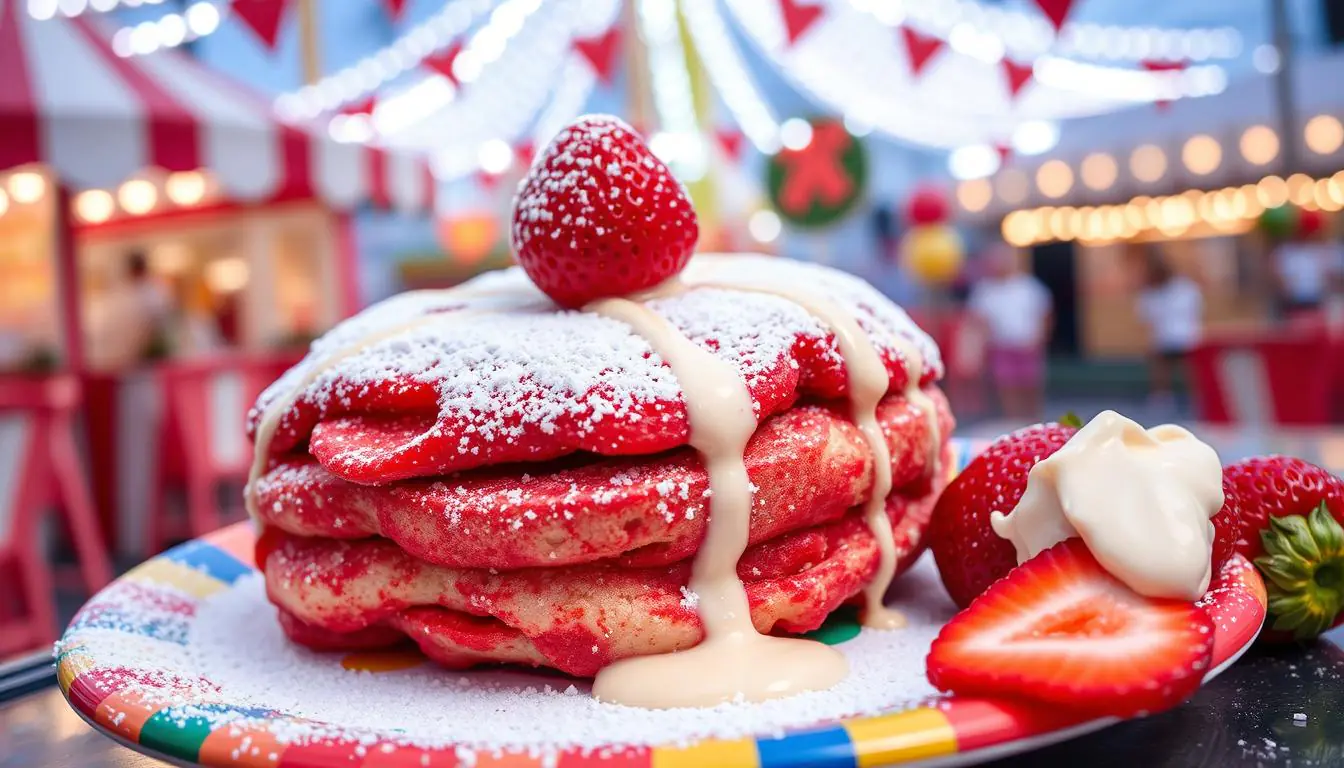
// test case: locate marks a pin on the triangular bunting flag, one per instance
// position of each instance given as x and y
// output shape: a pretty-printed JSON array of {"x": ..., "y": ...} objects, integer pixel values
[
  {"x": 442, "y": 61},
  {"x": 798, "y": 18},
  {"x": 263, "y": 17},
  {"x": 1005, "y": 151},
  {"x": 395, "y": 8},
  {"x": 361, "y": 107},
  {"x": 920, "y": 49},
  {"x": 600, "y": 51},
  {"x": 524, "y": 151},
  {"x": 1056, "y": 11},
  {"x": 1153, "y": 65},
  {"x": 730, "y": 141},
  {"x": 1018, "y": 75}
]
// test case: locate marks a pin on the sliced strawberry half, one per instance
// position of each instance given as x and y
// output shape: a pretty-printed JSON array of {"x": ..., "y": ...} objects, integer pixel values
[{"x": 1060, "y": 629}]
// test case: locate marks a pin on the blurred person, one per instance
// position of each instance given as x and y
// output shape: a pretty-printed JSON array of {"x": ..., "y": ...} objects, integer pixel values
[
  {"x": 1303, "y": 266},
  {"x": 131, "y": 322},
  {"x": 1016, "y": 311},
  {"x": 1334, "y": 298},
  {"x": 1172, "y": 306},
  {"x": 197, "y": 328}
]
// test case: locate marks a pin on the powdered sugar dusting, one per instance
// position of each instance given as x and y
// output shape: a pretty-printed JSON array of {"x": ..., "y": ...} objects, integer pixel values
[
  {"x": 871, "y": 309},
  {"x": 237, "y": 644},
  {"x": 506, "y": 367}
]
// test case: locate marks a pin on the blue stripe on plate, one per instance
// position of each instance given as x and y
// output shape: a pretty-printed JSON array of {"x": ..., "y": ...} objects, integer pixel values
[
  {"x": 209, "y": 559},
  {"x": 816, "y": 748}
]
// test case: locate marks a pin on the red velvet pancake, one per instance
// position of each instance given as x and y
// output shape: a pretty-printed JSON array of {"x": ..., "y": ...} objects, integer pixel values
[
  {"x": 354, "y": 595},
  {"x": 810, "y": 464},
  {"x": 433, "y": 382},
  {"x": 502, "y": 481}
]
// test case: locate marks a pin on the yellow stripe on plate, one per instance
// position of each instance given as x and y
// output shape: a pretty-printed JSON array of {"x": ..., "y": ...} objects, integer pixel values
[
  {"x": 72, "y": 665},
  {"x": 163, "y": 571},
  {"x": 708, "y": 754},
  {"x": 902, "y": 737}
]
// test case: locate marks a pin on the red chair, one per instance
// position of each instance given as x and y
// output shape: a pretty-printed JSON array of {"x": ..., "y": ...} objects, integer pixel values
[
  {"x": 203, "y": 443},
  {"x": 40, "y": 468}
]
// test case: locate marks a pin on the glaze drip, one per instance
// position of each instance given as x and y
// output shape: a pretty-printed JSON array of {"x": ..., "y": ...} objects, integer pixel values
[{"x": 734, "y": 661}]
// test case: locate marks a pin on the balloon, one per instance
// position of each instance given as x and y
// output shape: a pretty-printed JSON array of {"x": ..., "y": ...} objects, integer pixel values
[
  {"x": 1279, "y": 222},
  {"x": 927, "y": 205},
  {"x": 933, "y": 254},
  {"x": 1309, "y": 223}
]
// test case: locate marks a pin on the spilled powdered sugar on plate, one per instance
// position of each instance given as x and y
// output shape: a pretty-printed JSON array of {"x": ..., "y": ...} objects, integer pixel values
[{"x": 236, "y": 643}]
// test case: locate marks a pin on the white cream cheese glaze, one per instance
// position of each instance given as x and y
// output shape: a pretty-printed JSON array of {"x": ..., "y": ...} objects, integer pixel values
[{"x": 1140, "y": 499}]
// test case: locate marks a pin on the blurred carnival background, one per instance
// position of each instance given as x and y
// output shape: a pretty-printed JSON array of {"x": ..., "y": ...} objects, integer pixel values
[{"x": 1090, "y": 203}]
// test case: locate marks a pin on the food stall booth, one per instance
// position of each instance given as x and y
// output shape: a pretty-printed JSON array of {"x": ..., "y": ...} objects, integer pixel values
[
  {"x": 147, "y": 191},
  {"x": 1190, "y": 182}
]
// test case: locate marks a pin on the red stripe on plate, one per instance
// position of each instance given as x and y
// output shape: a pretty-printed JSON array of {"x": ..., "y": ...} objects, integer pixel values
[
  {"x": 606, "y": 758},
  {"x": 322, "y": 754},
  {"x": 508, "y": 760},
  {"x": 87, "y": 692},
  {"x": 398, "y": 756},
  {"x": 979, "y": 723}
]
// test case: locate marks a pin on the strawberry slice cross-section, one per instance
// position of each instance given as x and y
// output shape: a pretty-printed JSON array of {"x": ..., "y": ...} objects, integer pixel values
[{"x": 1060, "y": 629}]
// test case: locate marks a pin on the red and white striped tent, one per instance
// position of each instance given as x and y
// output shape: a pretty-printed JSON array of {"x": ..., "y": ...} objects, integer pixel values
[
  {"x": 69, "y": 102},
  {"x": 94, "y": 119}
]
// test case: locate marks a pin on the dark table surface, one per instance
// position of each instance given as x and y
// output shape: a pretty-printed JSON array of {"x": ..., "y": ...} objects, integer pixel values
[{"x": 1275, "y": 707}]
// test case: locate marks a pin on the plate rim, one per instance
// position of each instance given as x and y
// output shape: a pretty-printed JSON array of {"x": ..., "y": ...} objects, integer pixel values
[{"x": 950, "y": 732}]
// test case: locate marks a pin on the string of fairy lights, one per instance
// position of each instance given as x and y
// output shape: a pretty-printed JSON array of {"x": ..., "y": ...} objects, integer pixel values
[
  {"x": 515, "y": 79},
  {"x": 1228, "y": 210},
  {"x": 410, "y": 50},
  {"x": 1255, "y": 148}
]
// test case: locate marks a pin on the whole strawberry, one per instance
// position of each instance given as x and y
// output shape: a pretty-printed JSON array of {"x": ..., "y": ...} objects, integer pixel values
[
  {"x": 1290, "y": 515},
  {"x": 598, "y": 215},
  {"x": 969, "y": 554}
]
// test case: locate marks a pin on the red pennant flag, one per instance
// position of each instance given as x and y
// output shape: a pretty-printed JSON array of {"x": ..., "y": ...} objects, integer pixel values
[
  {"x": 442, "y": 62},
  {"x": 920, "y": 49},
  {"x": 524, "y": 151},
  {"x": 1056, "y": 11},
  {"x": 1018, "y": 76},
  {"x": 601, "y": 51},
  {"x": 1005, "y": 151},
  {"x": 395, "y": 7},
  {"x": 798, "y": 18},
  {"x": 730, "y": 141},
  {"x": 1153, "y": 65},
  {"x": 263, "y": 17},
  {"x": 361, "y": 107}
]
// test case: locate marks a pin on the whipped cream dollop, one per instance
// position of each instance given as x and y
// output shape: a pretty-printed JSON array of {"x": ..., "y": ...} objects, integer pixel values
[{"x": 1140, "y": 499}]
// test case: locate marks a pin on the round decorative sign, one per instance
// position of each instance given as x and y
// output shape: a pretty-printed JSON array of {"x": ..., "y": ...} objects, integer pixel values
[{"x": 821, "y": 182}]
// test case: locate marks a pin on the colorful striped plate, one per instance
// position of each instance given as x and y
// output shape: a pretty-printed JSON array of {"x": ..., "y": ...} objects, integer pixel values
[{"x": 185, "y": 722}]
